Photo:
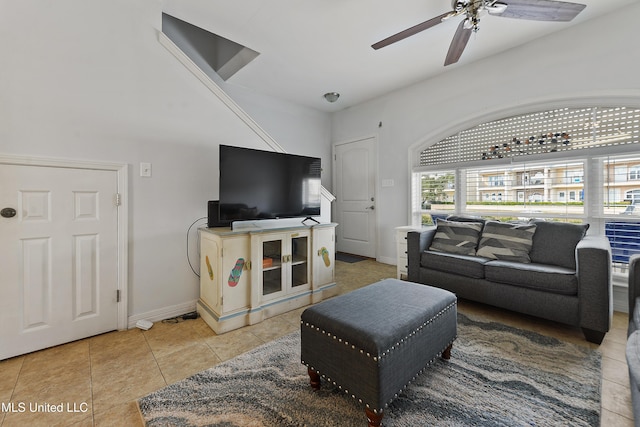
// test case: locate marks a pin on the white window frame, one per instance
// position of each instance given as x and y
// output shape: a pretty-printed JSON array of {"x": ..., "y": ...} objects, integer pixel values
[{"x": 593, "y": 190}]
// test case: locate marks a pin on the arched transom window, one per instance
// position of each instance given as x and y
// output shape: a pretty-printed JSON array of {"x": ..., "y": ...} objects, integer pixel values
[{"x": 565, "y": 164}]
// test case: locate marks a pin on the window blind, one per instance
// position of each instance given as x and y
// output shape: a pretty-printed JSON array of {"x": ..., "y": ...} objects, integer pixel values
[
  {"x": 434, "y": 195},
  {"x": 522, "y": 191},
  {"x": 553, "y": 131}
]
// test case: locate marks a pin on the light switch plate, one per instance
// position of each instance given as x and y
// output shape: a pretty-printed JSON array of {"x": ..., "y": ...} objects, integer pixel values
[{"x": 145, "y": 169}]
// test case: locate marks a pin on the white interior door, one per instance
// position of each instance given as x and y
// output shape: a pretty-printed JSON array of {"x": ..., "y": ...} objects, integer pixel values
[
  {"x": 355, "y": 178},
  {"x": 59, "y": 256}
]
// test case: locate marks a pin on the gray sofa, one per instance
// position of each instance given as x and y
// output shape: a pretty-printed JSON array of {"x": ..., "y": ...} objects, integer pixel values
[
  {"x": 633, "y": 334},
  {"x": 546, "y": 269}
]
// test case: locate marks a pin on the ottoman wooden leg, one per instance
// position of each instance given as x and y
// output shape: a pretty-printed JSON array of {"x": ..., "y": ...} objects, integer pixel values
[
  {"x": 314, "y": 379},
  {"x": 446, "y": 354},
  {"x": 375, "y": 420}
]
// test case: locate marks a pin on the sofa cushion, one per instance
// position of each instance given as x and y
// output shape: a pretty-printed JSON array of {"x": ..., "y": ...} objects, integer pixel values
[
  {"x": 456, "y": 237},
  {"x": 635, "y": 318},
  {"x": 548, "y": 278},
  {"x": 464, "y": 265},
  {"x": 511, "y": 242},
  {"x": 633, "y": 361},
  {"x": 555, "y": 243}
]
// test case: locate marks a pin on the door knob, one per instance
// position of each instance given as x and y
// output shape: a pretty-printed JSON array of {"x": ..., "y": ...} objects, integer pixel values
[{"x": 8, "y": 213}]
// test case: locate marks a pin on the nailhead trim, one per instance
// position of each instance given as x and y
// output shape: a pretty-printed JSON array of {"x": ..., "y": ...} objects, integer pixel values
[
  {"x": 395, "y": 396},
  {"x": 386, "y": 353},
  {"x": 394, "y": 346}
]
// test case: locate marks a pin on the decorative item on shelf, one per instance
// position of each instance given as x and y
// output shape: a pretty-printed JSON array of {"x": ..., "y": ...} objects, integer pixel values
[
  {"x": 267, "y": 262},
  {"x": 544, "y": 143}
]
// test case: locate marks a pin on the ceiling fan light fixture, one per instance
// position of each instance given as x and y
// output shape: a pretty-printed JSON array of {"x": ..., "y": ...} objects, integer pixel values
[
  {"x": 459, "y": 5},
  {"x": 473, "y": 10},
  {"x": 331, "y": 96}
]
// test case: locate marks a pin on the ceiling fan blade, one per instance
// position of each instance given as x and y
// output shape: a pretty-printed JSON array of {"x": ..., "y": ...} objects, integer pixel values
[
  {"x": 458, "y": 43},
  {"x": 541, "y": 10},
  {"x": 411, "y": 31}
]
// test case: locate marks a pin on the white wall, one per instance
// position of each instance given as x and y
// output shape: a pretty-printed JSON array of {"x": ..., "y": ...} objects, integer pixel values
[
  {"x": 300, "y": 130},
  {"x": 596, "y": 61},
  {"x": 88, "y": 79}
]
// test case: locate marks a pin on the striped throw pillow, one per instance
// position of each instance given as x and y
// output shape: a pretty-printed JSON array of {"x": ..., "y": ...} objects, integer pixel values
[
  {"x": 456, "y": 237},
  {"x": 509, "y": 242}
]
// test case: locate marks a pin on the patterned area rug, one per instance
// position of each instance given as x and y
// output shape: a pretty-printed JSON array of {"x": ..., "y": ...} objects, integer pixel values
[{"x": 497, "y": 376}]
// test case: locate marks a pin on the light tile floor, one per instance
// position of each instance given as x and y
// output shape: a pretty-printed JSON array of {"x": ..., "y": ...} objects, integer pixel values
[{"x": 97, "y": 380}]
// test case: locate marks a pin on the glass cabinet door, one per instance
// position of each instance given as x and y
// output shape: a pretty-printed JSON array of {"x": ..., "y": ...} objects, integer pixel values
[
  {"x": 271, "y": 266},
  {"x": 299, "y": 261},
  {"x": 286, "y": 264}
]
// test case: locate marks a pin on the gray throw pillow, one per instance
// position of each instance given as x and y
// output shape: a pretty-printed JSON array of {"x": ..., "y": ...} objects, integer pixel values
[
  {"x": 555, "y": 243},
  {"x": 456, "y": 237},
  {"x": 508, "y": 242}
]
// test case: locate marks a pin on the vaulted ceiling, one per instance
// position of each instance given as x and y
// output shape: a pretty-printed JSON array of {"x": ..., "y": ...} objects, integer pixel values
[{"x": 308, "y": 47}]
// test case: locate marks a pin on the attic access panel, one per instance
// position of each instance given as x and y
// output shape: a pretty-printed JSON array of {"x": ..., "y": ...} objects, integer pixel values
[{"x": 224, "y": 56}]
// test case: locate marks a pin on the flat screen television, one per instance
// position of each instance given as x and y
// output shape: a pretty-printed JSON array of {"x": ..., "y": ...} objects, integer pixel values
[{"x": 256, "y": 184}]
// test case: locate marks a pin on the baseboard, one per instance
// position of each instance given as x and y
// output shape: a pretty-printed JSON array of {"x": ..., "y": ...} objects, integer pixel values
[
  {"x": 387, "y": 260},
  {"x": 163, "y": 313},
  {"x": 620, "y": 304},
  {"x": 620, "y": 299}
]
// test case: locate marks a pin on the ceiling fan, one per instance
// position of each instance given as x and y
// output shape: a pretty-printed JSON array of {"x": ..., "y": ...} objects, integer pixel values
[{"x": 473, "y": 10}]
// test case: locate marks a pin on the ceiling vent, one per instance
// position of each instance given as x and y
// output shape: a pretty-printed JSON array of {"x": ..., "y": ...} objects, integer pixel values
[{"x": 224, "y": 56}]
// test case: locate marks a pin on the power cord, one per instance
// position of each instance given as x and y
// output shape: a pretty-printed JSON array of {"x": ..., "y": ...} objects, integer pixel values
[
  {"x": 198, "y": 247},
  {"x": 182, "y": 318}
]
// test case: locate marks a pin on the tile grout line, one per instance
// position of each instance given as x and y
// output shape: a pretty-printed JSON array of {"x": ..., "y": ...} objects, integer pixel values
[
  {"x": 626, "y": 384},
  {"x": 154, "y": 358},
  {"x": 93, "y": 409},
  {"x": 13, "y": 390},
  {"x": 612, "y": 410}
]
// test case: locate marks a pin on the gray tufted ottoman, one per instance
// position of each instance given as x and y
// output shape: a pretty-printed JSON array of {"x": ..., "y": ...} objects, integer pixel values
[{"x": 373, "y": 341}]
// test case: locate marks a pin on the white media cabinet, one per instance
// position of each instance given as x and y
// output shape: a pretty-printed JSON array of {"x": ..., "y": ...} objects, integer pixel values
[{"x": 250, "y": 274}]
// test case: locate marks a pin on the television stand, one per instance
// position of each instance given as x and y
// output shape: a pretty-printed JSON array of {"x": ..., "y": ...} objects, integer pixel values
[
  {"x": 248, "y": 275},
  {"x": 310, "y": 218}
]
